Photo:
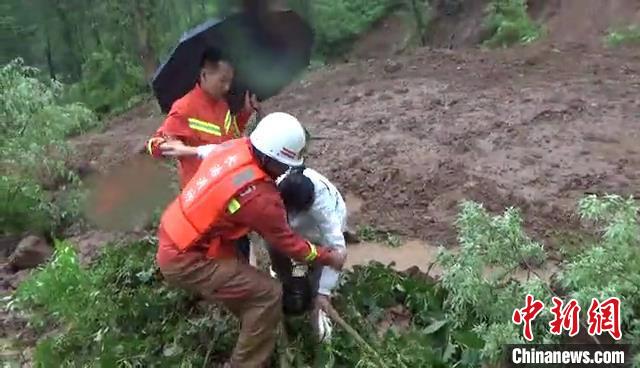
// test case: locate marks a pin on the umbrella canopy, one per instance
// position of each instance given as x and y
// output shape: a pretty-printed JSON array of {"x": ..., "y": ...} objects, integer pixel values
[{"x": 266, "y": 51}]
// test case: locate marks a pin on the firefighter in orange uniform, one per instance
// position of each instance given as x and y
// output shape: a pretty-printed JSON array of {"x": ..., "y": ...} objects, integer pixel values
[
  {"x": 233, "y": 192},
  {"x": 202, "y": 117}
]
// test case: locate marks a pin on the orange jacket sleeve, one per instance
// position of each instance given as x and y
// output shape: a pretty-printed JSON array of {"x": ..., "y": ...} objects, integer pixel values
[
  {"x": 174, "y": 126},
  {"x": 262, "y": 210}
]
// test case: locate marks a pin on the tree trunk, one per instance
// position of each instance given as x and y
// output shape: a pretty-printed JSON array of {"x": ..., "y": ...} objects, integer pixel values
[
  {"x": 67, "y": 36},
  {"x": 145, "y": 48},
  {"x": 52, "y": 71}
]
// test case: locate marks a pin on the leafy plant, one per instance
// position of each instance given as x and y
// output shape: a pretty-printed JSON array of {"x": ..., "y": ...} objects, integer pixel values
[
  {"x": 35, "y": 124},
  {"x": 337, "y": 22},
  {"x": 483, "y": 292},
  {"x": 623, "y": 35},
  {"x": 509, "y": 23},
  {"x": 110, "y": 82},
  {"x": 121, "y": 307},
  {"x": 461, "y": 320},
  {"x": 368, "y": 233}
]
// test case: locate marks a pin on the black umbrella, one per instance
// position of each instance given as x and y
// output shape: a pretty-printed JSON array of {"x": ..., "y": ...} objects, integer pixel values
[{"x": 267, "y": 52}]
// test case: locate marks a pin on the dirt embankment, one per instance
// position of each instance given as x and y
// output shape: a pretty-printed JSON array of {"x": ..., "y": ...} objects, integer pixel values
[{"x": 531, "y": 128}]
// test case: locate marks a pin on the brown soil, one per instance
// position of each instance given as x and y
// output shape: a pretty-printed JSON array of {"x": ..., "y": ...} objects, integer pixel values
[
  {"x": 535, "y": 128},
  {"x": 459, "y": 23},
  {"x": 411, "y": 137}
]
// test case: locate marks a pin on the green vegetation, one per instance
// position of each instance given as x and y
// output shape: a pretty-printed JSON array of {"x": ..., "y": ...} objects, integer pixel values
[
  {"x": 367, "y": 233},
  {"x": 628, "y": 35},
  {"x": 33, "y": 153},
  {"x": 509, "y": 23},
  {"x": 121, "y": 307},
  {"x": 338, "y": 22},
  {"x": 462, "y": 319}
]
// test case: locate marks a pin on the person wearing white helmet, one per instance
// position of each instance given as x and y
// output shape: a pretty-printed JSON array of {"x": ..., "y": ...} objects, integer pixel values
[{"x": 232, "y": 193}]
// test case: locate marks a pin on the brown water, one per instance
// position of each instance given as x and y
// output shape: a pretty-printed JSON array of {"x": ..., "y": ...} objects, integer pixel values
[
  {"x": 409, "y": 254},
  {"x": 423, "y": 255}
]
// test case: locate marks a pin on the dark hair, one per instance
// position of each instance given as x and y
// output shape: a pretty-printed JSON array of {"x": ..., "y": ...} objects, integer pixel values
[
  {"x": 297, "y": 190},
  {"x": 211, "y": 55}
]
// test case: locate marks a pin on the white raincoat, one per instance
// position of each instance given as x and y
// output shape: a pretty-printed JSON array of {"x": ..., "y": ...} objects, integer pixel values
[{"x": 324, "y": 223}]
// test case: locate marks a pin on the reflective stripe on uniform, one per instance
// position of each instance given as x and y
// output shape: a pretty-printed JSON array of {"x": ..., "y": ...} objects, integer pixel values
[
  {"x": 229, "y": 121},
  {"x": 313, "y": 253},
  {"x": 204, "y": 126},
  {"x": 233, "y": 206},
  {"x": 243, "y": 177}
]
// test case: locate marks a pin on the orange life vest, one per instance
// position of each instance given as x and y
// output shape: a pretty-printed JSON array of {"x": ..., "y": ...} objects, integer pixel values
[{"x": 210, "y": 194}]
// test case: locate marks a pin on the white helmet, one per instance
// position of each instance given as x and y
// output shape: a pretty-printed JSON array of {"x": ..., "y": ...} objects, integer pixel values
[{"x": 281, "y": 137}]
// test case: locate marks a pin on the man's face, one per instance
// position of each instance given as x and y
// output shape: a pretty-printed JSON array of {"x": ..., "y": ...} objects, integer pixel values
[{"x": 216, "y": 79}]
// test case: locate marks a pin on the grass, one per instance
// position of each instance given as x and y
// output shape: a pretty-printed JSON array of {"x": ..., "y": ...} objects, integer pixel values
[{"x": 629, "y": 35}]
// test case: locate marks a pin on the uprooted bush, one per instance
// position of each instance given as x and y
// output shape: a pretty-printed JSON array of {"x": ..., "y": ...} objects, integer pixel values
[
  {"x": 34, "y": 125},
  {"x": 462, "y": 320}
]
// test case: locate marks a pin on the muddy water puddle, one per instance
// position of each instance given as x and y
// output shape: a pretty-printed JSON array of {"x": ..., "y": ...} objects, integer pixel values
[
  {"x": 409, "y": 254},
  {"x": 423, "y": 255}
]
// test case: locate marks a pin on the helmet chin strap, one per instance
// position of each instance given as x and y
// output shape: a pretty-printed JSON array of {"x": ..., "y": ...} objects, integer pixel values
[{"x": 264, "y": 160}]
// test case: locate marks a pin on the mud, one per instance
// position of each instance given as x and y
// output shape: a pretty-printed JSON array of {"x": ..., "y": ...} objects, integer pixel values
[
  {"x": 418, "y": 254},
  {"x": 410, "y": 138},
  {"x": 407, "y": 255},
  {"x": 530, "y": 128}
]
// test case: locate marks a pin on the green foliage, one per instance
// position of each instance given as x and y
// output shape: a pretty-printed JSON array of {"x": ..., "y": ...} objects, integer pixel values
[
  {"x": 478, "y": 278},
  {"x": 23, "y": 206},
  {"x": 370, "y": 234},
  {"x": 338, "y": 22},
  {"x": 483, "y": 291},
  {"x": 609, "y": 268},
  {"x": 623, "y": 36},
  {"x": 509, "y": 23},
  {"x": 33, "y": 154},
  {"x": 462, "y": 320},
  {"x": 118, "y": 313},
  {"x": 109, "y": 82},
  {"x": 366, "y": 299}
]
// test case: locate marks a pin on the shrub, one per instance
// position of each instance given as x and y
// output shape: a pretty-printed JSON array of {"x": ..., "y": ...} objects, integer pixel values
[
  {"x": 338, "y": 22},
  {"x": 110, "y": 83},
  {"x": 509, "y": 23},
  {"x": 35, "y": 124},
  {"x": 623, "y": 35},
  {"x": 462, "y": 320},
  {"x": 118, "y": 313}
]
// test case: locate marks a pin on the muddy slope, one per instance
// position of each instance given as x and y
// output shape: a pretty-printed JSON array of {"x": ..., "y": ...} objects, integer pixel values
[
  {"x": 535, "y": 129},
  {"x": 460, "y": 23}
]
